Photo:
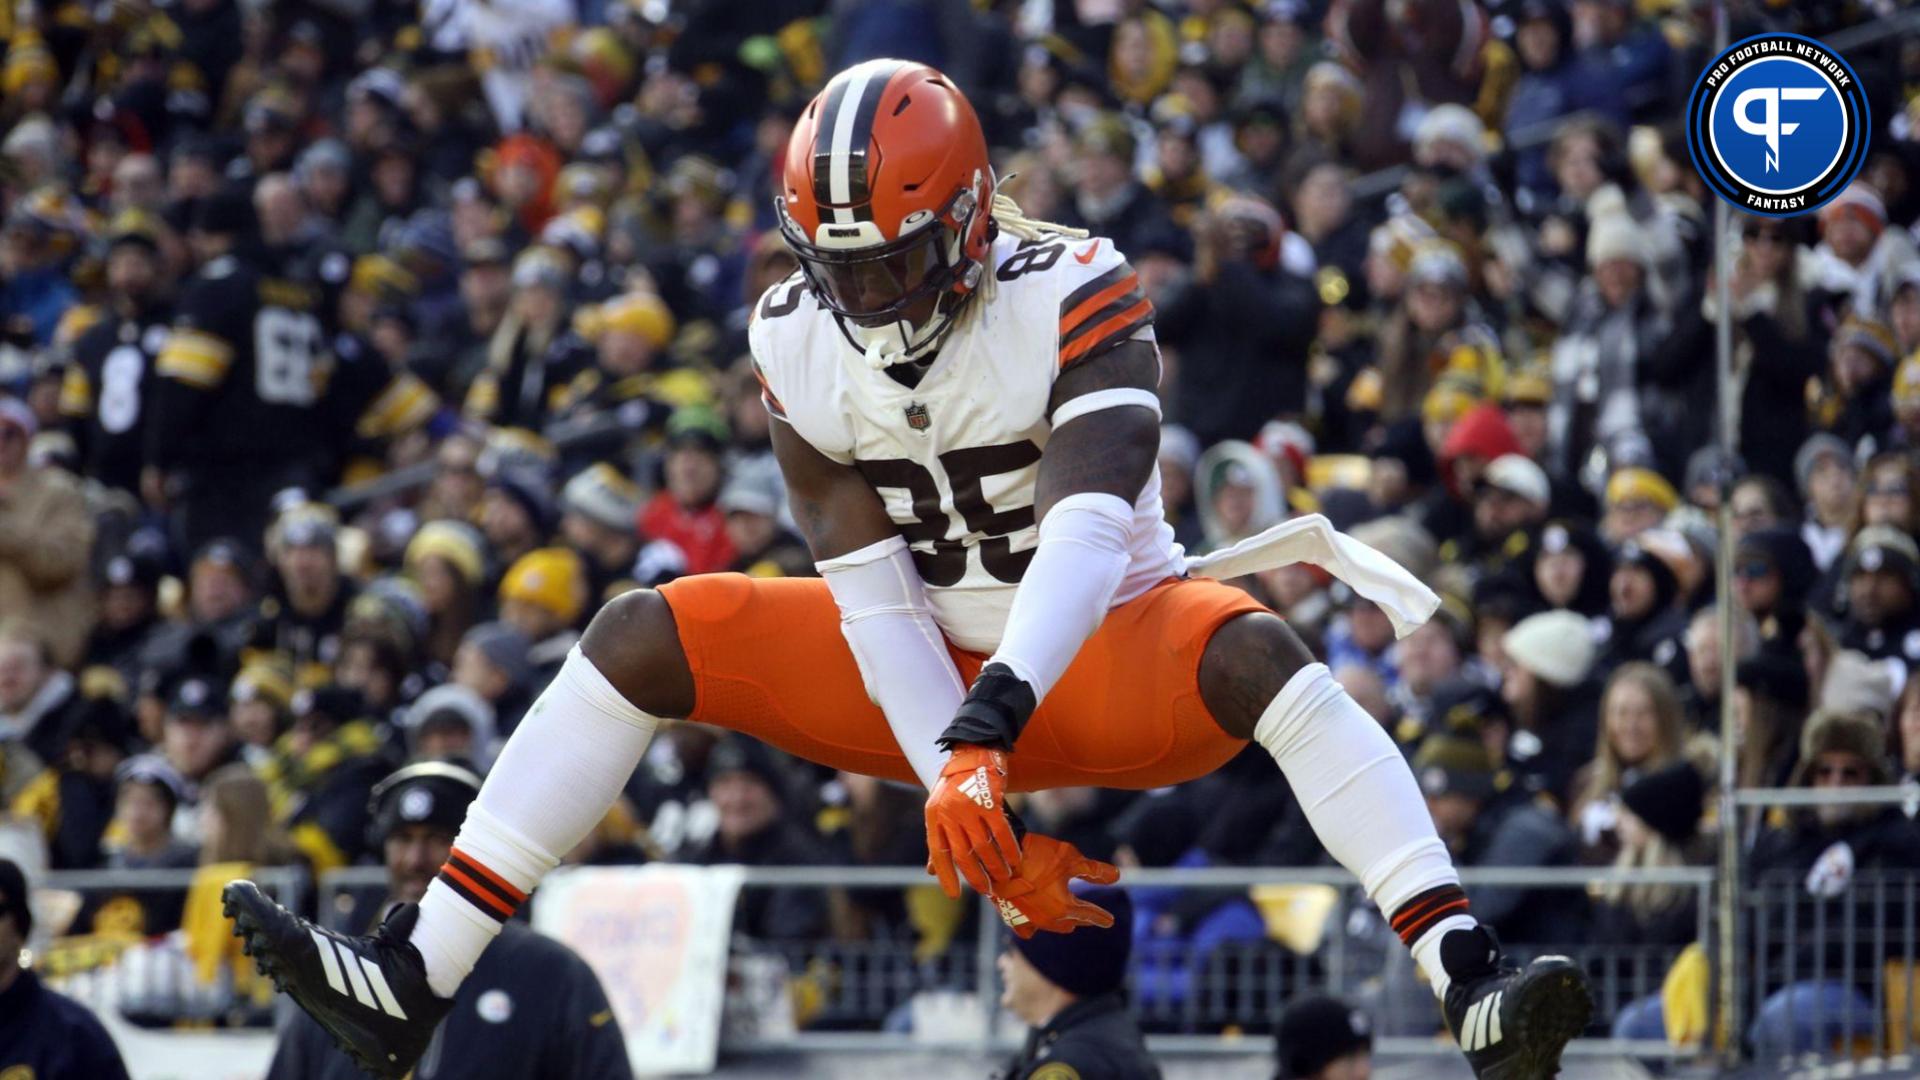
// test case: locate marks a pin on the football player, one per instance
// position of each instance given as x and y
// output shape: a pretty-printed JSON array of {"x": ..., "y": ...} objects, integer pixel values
[{"x": 967, "y": 421}]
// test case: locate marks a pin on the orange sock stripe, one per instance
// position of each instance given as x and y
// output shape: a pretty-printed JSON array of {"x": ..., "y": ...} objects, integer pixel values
[
  {"x": 1426, "y": 910},
  {"x": 1439, "y": 913},
  {"x": 476, "y": 866},
  {"x": 476, "y": 892},
  {"x": 1417, "y": 910}
]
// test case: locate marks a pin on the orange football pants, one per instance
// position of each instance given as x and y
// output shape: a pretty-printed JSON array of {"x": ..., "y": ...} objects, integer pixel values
[{"x": 768, "y": 661}]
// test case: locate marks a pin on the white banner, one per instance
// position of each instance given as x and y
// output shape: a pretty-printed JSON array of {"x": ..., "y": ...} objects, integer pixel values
[{"x": 657, "y": 936}]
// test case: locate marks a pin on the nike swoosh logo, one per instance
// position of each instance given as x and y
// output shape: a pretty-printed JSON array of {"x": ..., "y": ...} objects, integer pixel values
[{"x": 1086, "y": 256}]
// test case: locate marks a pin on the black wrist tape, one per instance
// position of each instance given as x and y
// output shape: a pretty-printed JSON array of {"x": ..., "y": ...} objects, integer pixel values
[{"x": 995, "y": 712}]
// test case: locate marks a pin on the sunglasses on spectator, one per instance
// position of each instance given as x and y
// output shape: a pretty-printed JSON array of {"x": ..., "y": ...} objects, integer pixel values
[
  {"x": 1761, "y": 233},
  {"x": 1752, "y": 571},
  {"x": 1894, "y": 487}
]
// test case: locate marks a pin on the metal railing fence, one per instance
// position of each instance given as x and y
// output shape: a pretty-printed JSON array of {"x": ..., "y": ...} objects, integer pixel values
[
  {"x": 153, "y": 979},
  {"x": 1237, "y": 989}
]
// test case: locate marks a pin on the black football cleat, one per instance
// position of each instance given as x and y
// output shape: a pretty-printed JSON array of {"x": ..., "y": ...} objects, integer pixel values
[
  {"x": 370, "y": 993},
  {"x": 1511, "y": 1022}
]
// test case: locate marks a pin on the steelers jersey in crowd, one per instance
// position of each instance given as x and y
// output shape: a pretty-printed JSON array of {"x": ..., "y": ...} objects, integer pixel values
[
  {"x": 107, "y": 392},
  {"x": 249, "y": 346}
]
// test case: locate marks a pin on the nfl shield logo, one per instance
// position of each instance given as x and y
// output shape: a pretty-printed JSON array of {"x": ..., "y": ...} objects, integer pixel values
[{"x": 917, "y": 418}]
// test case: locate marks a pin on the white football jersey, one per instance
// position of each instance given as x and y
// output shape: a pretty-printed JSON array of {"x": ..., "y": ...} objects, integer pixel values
[{"x": 956, "y": 457}]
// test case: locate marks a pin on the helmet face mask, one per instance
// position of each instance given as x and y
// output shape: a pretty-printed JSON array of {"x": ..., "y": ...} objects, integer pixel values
[
  {"x": 879, "y": 283},
  {"x": 884, "y": 204}
]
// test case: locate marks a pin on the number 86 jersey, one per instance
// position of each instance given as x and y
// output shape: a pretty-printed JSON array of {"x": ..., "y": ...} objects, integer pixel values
[{"x": 955, "y": 458}]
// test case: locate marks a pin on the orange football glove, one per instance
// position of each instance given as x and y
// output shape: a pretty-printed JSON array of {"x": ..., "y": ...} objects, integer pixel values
[
  {"x": 1038, "y": 897},
  {"x": 968, "y": 834}
]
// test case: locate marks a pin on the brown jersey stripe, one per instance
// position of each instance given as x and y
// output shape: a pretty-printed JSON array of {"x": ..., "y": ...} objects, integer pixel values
[
  {"x": 1091, "y": 289},
  {"x": 1125, "y": 302},
  {"x": 1109, "y": 333}
]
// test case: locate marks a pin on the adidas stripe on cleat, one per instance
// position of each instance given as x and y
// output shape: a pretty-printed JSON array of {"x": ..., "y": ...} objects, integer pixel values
[
  {"x": 370, "y": 993},
  {"x": 1511, "y": 1023}
]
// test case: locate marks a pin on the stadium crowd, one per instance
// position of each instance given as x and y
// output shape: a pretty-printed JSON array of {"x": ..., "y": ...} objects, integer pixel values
[{"x": 354, "y": 353}]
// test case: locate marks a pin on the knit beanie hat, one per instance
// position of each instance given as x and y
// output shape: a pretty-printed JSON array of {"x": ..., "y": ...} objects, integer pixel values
[
  {"x": 1554, "y": 646},
  {"x": 1091, "y": 960},
  {"x": 1669, "y": 800},
  {"x": 1315, "y": 1032}
]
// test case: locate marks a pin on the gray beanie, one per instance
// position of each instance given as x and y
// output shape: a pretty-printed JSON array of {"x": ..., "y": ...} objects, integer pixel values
[{"x": 1810, "y": 453}]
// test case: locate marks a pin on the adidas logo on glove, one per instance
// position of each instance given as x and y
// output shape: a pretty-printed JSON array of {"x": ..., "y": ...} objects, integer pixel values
[{"x": 978, "y": 788}]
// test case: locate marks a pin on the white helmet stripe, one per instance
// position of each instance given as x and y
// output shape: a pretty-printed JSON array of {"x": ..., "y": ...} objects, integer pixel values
[{"x": 839, "y": 181}]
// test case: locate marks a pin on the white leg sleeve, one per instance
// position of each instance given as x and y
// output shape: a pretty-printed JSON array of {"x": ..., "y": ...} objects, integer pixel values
[
  {"x": 1360, "y": 798},
  {"x": 558, "y": 775},
  {"x": 901, "y": 653}
]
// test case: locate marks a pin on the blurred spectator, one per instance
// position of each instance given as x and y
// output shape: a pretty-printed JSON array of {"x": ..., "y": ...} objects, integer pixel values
[
  {"x": 1323, "y": 1038},
  {"x": 447, "y": 559},
  {"x": 1659, "y": 827},
  {"x": 1819, "y": 855},
  {"x": 1859, "y": 259},
  {"x": 762, "y": 546},
  {"x": 1546, "y": 681},
  {"x": 876, "y": 827},
  {"x": 262, "y": 697},
  {"x": 1107, "y": 200},
  {"x": 321, "y": 772},
  {"x": 532, "y": 1007},
  {"x": 1706, "y": 661},
  {"x": 1637, "y": 499},
  {"x": 1881, "y": 576},
  {"x": 1823, "y": 467},
  {"x": 1772, "y": 576},
  {"x": 450, "y": 723},
  {"x": 73, "y": 800},
  {"x": 1232, "y": 378},
  {"x": 1239, "y": 493},
  {"x": 1069, "y": 991},
  {"x": 1647, "y": 615},
  {"x": 598, "y": 509},
  {"x": 684, "y": 511},
  {"x": 492, "y": 662},
  {"x": 543, "y": 595},
  {"x": 1572, "y": 570},
  {"x": 43, "y": 1033},
  {"x": 1180, "y": 932},
  {"x": 1855, "y": 402},
  {"x": 1487, "y": 821},
  {"x": 196, "y": 739},
  {"x": 129, "y": 593},
  {"x": 38, "y": 700},
  {"x": 515, "y": 513},
  {"x": 302, "y": 619},
  {"x": 757, "y": 826},
  {"x": 45, "y": 534},
  {"x": 1641, "y": 732}
]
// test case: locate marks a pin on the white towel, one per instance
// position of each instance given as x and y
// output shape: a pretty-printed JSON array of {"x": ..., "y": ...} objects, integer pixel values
[{"x": 1313, "y": 539}]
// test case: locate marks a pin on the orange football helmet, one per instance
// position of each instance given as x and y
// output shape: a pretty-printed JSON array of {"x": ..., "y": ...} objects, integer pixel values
[{"x": 886, "y": 199}]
